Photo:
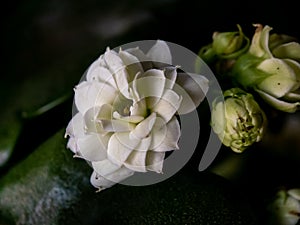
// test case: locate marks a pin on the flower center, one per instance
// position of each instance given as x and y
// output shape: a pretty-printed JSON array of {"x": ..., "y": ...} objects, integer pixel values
[
  {"x": 122, "y": 105},
  {"x": 126, "y": 111}
]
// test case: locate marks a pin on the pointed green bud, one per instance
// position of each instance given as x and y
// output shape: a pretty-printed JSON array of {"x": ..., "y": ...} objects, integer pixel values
[
  {"x": 225, "y": 45},
  {"x": 230, "y": 44}
]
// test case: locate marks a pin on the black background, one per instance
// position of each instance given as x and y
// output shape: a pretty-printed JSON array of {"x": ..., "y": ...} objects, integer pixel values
[{"x": 47, "y": 45}]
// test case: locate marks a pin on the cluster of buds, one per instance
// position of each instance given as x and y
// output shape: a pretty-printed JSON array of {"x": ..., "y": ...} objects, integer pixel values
[
  {"x": 258, "y": 74},
  {"x": 271, "y": 67},
  {"x": 267, "y": 66}
]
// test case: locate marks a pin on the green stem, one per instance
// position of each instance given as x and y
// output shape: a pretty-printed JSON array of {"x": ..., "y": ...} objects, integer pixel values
[{"x": 47, "y": 107}]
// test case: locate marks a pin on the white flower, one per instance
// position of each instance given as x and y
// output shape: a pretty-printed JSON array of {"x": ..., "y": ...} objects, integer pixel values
[{"x": 127, "y": 105}]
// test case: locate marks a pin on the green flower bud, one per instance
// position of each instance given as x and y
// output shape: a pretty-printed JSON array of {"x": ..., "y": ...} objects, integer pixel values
[
  {"x": 272, "y": 68},
  {"x": 238, "y": 121},
  {"x": 285, "y": 208},
  {"x": 225, "y": 45},
  {"x": 230, "y": 44}
]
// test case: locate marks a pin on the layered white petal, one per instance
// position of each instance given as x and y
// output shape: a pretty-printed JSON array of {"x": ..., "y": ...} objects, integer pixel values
[
  {"x": 144, "y": 144},
  {"x": 105, "y": 94},
  {"x": 118, "y": 69},
  {"x": 260, "y": 41},
  {"x": 72, "y": 144},
  {"x": 93, "y": 147},
  {"x": 105, "y": 112},
  {"x": 81, "y": 97},
  {"x": 91, "y": 94},
  {"x": 75, "y": 130},
  {"x": 92, "y": 124},
  {"x": 277, "y": 85},
  {"x": 282, "y": 77},
  {"x": 171, "y": 75},
  {"x": 139, "y": 108},
  {"x": 120, "y": 174},
  {"x": 136, "y": 161},
  {"x": 275, "y": 66},
  {"x": 97, "y": 63},
  {"x": 100, "y": 182},
  {"x": 192, "y": 88},
  {"x": 130, "y": 119},
  {"x": 137, "y": 52},
  {"x": 145, "y": 60},
  {"x": 116, "y": 125},
  {"x": 264, "y": 40},
  {"x": 93, "y": 118},
  {"x": 150, "y": 84},
  {"x": 117, "y": 176},
  {"x": 132, "y": 63},
  {"x": 288, "y": 50},
  {"x": 168, "y": 105},
  {"x": 296, "y": 68},
  {"x": 105, "y": 167},
  {"x": 76, "y": 126},
  {"x": 279, "y": 104},
  {"x": 166, "y": 138},
  {"x": 160, "y": 52},
  {"x": 154, "y": 161},
  {"x": 143, "y": 129},
  {"x": 120, "y": 147},
  {"x": 101, "y": 74},
  {"x": 292, "y": 97}
]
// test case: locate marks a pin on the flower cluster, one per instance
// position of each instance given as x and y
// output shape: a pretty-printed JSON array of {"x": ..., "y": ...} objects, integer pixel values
[
  {"x": 272, "y": 69},
  {"x": 127, "y": 106},
  {"x": 268, "y": 67}
]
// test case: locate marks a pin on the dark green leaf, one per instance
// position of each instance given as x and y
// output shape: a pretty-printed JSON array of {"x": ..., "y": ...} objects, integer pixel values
[{"x": 52, "y": 187}]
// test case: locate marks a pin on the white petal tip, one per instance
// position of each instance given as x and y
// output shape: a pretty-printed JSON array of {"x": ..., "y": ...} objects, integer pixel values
[
  {"x": 76, "y": 156},
  {"x": 100, "y": 189}
]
